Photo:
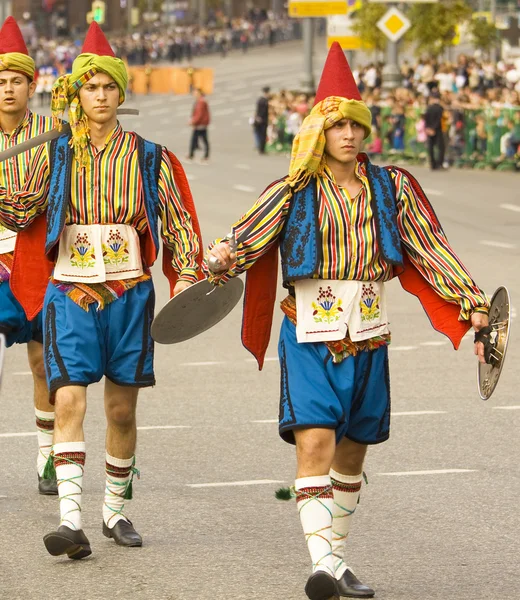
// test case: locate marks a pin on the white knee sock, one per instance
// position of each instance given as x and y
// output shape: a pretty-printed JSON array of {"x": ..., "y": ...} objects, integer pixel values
[
  {"x": 45, "y": 431},
  {"x": 346, "y": 490},
  {"x": 69, "y": 461},
  {"x": 118, "y": 479},
  {"x": 315, "y": 504}
]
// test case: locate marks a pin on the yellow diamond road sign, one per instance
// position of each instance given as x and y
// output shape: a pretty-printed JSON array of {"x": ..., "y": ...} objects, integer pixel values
[{"x": 394, "y": 24}]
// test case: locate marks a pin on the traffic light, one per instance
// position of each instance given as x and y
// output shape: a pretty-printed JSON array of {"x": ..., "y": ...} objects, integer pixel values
[{"x": 98, "y": 11}]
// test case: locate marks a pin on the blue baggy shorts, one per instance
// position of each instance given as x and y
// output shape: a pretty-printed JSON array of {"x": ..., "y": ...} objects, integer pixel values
[
  {"x": 13, "y": 320},
  {"x": 351, "y": 397},
  {"x": 81, "y": 346}
]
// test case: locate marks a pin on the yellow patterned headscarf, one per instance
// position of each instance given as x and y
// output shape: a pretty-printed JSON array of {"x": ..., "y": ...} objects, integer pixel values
[
  {"x": 16, "y": 61},
  {"x": 65, "y": 93},
  {"x": 309, "y": 145}
]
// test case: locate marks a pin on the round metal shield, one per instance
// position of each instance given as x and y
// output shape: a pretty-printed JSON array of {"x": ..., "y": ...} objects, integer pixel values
[
  {"x": 195, "y": 309},
  {"x": 488, "y": 374}
]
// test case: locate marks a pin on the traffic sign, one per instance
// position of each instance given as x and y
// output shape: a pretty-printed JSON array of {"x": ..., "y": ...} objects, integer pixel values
[
  {"x": 317, "y": 8},
  {"x": 339, "y": 29},
  {"x": 98, "y": 11},
  {"x": 394, "y": 24}
]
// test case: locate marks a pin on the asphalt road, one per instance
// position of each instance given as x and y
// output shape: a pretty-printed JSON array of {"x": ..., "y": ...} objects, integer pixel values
[{"x": 439, "y": 518}]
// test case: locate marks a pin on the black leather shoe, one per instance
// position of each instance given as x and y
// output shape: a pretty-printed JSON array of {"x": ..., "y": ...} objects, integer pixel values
[
  {"x": 67, "y": 541},
  {"x": 321, "y": 586},
  {"x": 47, "y": 487},
  {"x": 123, "y": 534},
  {"x": 349, "y": 586}
]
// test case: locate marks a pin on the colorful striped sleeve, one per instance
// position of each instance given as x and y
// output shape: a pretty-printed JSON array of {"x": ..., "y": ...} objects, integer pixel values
[
  {"x": 20, "y": 208},
  {"x": 431, "y": 253},
  {"x": 176, "y": 229},
  {"x": 257, "y": 230}
]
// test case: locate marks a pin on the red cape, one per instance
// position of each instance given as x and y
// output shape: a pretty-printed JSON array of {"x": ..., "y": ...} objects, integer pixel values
[
  {"x": 260, "y": 296},
  {"x": 32, "y": 268}
]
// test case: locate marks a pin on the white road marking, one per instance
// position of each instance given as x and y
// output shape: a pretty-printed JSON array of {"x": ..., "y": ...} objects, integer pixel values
[
  {"x": 505, "y": 407},
  {"x": 233, "y": 483},
  {"x": 266, "y": 421},
  {"x": 495, "y": 244},
  {"x": 418, "y": 412},
  {"x": 437, "y": 472},
  {"x": 438, "y": 343},
  {"x": 434, "y": 192},
  {"x": 402, "y": 348},
  {"x": 513, "y": 207},
  {"x": 206, "y": 363},
  {"x": 244, "y": 188},
  {"x": 165, "y": 427},
  {"x": 22, "y": 373},
  {"x": 33, "y": 433},
  {"x": 243, "y": 167}
]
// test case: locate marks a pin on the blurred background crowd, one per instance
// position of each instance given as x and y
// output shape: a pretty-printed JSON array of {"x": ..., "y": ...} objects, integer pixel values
[{"x": 480, "y": 101}]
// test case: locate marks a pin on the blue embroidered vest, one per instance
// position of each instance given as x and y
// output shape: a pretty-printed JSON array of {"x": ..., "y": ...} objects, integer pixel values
[
  {"x": 300, "y": 243},
  {"x": 149, "y": 158}
]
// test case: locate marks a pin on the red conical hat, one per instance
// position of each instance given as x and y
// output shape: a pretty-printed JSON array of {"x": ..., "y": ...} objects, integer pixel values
[
  {"x": 11, "y": 38},
  {"x": 96, "y": 42},
  {"x": 336, "y": 78}
]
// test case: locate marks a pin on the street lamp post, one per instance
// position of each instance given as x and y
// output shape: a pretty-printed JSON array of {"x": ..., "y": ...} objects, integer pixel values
[
  {"x": 307, "y": 83},
  {"x": 391, "y": 73},
  {"x": 129, "y": 15},
  {"x": 5, "y": 9}
]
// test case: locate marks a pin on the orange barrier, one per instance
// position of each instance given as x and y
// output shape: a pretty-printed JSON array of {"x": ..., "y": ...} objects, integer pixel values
[{"x": 167, "y": 80}]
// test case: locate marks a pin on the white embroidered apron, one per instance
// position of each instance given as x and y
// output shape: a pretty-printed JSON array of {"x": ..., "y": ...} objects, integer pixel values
[
  {"x": 98, "y": 253},
  {"x": 7, "y": 240},
  {"x": 327, "y": 309}
]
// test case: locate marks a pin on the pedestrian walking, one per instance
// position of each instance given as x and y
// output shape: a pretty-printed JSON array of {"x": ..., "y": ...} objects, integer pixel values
[
  {"x": 17, "y": 125},
  {"x": 111, "y": 190},
  {"x": 200, "y": 120},
  {"x": 433, "y": 122},
  {"x": 261, "y": 120},
  {"x": 344, "y": 227}
]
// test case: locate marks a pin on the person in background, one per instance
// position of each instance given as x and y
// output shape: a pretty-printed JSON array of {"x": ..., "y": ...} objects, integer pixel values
[
  {"x": 199, "y": 121},
  {"x": 433, "y": 120},
  {"x": 262, "y": 120}
]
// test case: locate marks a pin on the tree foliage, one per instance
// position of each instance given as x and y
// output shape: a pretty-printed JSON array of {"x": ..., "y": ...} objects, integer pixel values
[
  {"x": 365, "y": 25},
  {"x": 434, "y": 26},
  {"x": 149, "y": 5},
  {"x": 485, "y": 35}
]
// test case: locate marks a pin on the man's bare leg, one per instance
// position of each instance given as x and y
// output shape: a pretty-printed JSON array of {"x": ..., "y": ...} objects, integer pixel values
[
  {"x": 346, "y": 478},
  {"x": 120, "y": 410},
  {"x": 315, "y": 449},
  {"x": 44, "y": 411},
  {"x": 69, "y": 460}
]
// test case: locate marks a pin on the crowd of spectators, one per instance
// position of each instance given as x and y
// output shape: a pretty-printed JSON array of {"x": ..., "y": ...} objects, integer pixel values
[
  {"x": 481, "y": 103},
  {"x": 175, "y": 44}
]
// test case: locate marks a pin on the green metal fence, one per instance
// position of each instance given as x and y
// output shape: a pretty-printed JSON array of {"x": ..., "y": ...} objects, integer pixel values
[{"x": 479, "y": 139}]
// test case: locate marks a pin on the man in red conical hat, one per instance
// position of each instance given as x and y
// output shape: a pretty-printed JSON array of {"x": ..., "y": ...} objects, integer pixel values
[
  {"x": 344, "y": 227},
  {"x": 18, "y": 124},
  {"x": 101, "y": 192}
]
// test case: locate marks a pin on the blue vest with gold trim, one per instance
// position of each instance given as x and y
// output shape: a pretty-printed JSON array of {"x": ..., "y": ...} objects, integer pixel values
[
  {"x": 300, "y": 243},
  {"x": 149, "y": 158}
]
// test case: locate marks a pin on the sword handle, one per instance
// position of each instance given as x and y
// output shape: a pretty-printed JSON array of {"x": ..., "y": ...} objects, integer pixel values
[{"x": 213, "y": 262}]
